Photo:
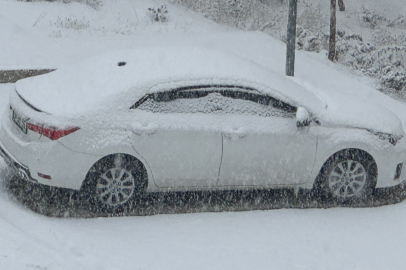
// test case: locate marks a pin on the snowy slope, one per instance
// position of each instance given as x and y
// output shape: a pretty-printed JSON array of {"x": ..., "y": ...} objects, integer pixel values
[{"x": 48, "y": 35}]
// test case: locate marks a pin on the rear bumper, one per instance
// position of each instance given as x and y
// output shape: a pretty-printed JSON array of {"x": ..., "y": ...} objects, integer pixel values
[
  {"x": 17, "y": 166},
  {"x": 43, "y": 157}
]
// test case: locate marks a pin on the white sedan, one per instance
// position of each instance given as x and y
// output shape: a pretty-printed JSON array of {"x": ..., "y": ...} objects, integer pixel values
[{"x": 177, "y": 119}]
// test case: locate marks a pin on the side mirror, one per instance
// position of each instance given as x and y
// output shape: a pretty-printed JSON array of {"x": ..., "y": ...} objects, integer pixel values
[{"x": 302, "y": 117}]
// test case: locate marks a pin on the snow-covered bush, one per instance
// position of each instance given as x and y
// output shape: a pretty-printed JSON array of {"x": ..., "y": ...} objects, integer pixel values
[
  {"x": 387, "y": 56},
  {"x": 72, "y": 22},
  {"x": 309, "y": 41},
  {"x": 235, "y": 11},
  {"x": 372, "y": 18},
  {"x": 399, "y": 22},
  {"x": 351, "y": 49},
  {"x": 394, "y": 77},
  {"x": 159, "y": 14},
  {"x": 386, "y": 36},
  {"x": 386, "y": 63},
  {"x": 245, "y": 14},
  {"x": 92, "y": 3},
  {"x": 231, "y": 12}
]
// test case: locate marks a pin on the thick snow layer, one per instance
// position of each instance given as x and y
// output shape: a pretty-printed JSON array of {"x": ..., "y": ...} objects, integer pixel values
[{"x": 99, "y": 84}]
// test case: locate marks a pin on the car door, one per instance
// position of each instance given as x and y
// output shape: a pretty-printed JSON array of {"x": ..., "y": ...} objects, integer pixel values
[
  {"x": 262, "y": 145},
  {"x": 177, "y": 141}
]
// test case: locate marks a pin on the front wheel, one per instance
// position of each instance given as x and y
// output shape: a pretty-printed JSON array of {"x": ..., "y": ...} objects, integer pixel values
[{"x": 347, "y": 175}]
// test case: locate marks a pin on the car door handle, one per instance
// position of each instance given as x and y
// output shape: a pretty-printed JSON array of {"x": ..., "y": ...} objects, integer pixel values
[
  {"x": 139, "y": 132},
  {"x": 144, "y": 128},
  {"x": 235, "y": 133}
]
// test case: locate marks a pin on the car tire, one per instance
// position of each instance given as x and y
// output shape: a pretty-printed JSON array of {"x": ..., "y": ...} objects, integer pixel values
[
  {"x": 348, "y": 175},
  {"x": 114, "y": 182}
]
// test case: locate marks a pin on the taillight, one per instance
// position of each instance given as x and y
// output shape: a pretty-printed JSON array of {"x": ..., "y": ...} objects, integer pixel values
[
  {"x": 50, "y": 132},
  {"x": 35, "y": 128},
  {"x": 55, "y": 134}
]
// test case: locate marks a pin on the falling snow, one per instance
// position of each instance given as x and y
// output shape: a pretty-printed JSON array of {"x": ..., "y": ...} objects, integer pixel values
[{"x": 43, "y": 227}]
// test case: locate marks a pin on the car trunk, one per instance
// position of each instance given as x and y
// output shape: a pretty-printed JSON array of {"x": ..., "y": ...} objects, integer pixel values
[
  {"x": 20, "y": 119},
  {"x": 29, "y": 123}
]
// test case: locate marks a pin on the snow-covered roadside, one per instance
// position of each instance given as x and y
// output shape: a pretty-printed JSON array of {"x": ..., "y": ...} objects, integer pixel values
[{"x": 340, "y": 238}]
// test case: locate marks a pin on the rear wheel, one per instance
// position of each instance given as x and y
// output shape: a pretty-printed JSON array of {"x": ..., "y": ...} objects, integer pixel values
[
  {"x": 114, "y": 182},
  {"x": 347, "y": 175},
  {"x": 115, "y": 186}
]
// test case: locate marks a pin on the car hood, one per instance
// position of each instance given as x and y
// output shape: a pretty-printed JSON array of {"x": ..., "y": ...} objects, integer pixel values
[{"x": 351, "y": 109}]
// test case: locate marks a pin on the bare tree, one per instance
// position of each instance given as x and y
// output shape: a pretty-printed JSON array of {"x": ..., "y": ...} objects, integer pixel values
[{"x": 332, "y": 44}]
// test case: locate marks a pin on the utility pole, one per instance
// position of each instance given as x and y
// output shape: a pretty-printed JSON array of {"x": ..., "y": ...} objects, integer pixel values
[
  {"x": 332, "y": 43},
  {"x": 291, "y": 39}
]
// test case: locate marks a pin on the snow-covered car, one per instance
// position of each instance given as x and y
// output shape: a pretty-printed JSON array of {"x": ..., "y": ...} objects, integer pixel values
[{"x": 181, "y": 119}]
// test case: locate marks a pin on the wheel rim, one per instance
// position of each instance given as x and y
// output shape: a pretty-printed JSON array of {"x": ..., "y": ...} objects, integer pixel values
[
  {"x": 115, "y": 187},
  {"x": 347, "y": 179}
]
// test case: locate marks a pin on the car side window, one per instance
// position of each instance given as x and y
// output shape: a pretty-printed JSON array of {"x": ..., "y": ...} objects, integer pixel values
[
  {"x": 259, "y": 104},
  {"x": 215, "y": 100}
]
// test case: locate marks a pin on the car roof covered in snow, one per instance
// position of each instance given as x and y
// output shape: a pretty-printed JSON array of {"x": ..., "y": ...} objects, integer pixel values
[
  {"x": 121, "y": 78},
  {"x": 116, "y": 80}
]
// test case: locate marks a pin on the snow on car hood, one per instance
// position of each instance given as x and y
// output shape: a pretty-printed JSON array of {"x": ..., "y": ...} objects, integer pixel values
[
  {"x": 354, "y": 109},
  {"x": 99, "y": 85}
]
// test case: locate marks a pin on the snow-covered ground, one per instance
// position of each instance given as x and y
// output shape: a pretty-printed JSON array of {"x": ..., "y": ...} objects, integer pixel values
[
  {"x": 41, "y": 35},
  {"x": 282, "y": 239}
]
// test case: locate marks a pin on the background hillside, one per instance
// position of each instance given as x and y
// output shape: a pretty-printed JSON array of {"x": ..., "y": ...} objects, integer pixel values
[{"x": 371, "y": 33}]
